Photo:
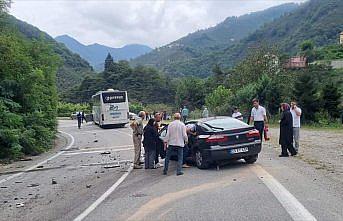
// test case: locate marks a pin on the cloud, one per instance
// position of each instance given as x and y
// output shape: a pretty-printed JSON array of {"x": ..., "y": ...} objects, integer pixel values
[{"x": 116, "y": 23}]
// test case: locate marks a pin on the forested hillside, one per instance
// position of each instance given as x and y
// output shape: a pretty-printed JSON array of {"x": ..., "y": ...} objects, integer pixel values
[
  {"x": 144, "y": 84},
  {"x": 72, "y": 68},
  {"x": 28, "y": 95},
  {"x": 316, "y": 20},
  {"x": 95, "y": 54},
  {"x": 176, "y": 58}
]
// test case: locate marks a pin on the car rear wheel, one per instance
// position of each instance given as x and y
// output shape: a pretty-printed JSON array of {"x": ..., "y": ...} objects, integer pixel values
[
  {"x": 200, "y": 161},
  {"x": 251, "y": 159}
]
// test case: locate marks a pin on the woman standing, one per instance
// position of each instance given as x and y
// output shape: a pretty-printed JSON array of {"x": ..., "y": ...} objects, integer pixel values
[
  {"x": 286, "y": 131},
  {"x": 149, "y": 143}
]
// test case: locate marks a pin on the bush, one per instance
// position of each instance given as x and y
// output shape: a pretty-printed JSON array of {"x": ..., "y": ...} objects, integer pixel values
[
  {"x": 135, "y": 107},
  {"x": 28, "y": 96},
  {"x": 219, "y": 101},
  {"x": 66, "y": 109},
  {"x": 196, "y": 114}
]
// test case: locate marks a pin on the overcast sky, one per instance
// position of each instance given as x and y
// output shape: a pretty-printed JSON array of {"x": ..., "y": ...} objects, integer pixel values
[{"x": 116, "y": 23}]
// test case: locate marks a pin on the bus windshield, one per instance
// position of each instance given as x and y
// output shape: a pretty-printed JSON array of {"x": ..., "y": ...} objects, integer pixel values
[{"x": 114, "y": 97}]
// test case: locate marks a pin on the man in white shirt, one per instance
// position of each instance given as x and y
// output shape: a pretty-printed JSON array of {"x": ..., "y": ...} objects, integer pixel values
[
  {"x": 175, "y": 141},
  {"x": 259, "y": 117},
  {"x": 296, "y": 114},
  {"x": 236, "y": 114}
]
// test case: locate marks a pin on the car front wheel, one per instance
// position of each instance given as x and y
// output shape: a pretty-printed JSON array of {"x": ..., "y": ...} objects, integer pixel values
[
  {"x": 251, "y": 159},
  {"x": 200, "y": 161}
]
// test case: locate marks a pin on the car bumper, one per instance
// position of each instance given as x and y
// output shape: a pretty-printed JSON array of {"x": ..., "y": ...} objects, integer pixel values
[{"x": 218, "y": 153}]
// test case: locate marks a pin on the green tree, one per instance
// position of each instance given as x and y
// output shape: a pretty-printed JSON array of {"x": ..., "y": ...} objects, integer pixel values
[
  {"x": 307, "y": 50},
  {"x": 28, "y": 96},
  {"x": 260, "y": 61},
  {"x": 191, "y": 92},
  {"x": 307, "y": 45},
  {"x": 219, "y": 101},
  {"x": 108, "y": 62},
  {"x": 306, "y": 92},
  {"x": 331, "y": 99}
]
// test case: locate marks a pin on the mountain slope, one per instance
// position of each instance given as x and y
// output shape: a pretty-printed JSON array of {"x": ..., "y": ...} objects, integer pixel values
[
  {"x": 95, "y": 54},
  {"x": 72, "y": 69},
  {"x": 174, "y": 57},
  {"x": 316, "y": 20}
]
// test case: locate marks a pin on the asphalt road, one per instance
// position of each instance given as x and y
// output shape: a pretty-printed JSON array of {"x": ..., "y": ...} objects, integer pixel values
[{"x": 88, "y": 177}]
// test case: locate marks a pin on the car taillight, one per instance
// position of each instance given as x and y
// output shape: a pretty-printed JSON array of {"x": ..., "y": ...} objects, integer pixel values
[
  {"x": 253, "y": 133},
  {"x": 216, "y": 138}
]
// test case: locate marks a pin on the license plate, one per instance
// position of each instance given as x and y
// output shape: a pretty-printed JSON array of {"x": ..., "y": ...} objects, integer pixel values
[{"x": 239, "y": 150}]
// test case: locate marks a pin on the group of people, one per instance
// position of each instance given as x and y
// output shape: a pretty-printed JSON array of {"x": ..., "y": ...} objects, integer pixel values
[
  {"x": 150, "y": 142},
  {"x": 289, "y": 125},
  {"x": 179, "y": 135},
  {"x": 175, "y": 141}
]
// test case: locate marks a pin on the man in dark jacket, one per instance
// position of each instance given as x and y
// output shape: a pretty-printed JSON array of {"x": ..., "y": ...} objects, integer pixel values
[
  {"x": 286, "y": 131},
  {"x": 79, "y": 120}
]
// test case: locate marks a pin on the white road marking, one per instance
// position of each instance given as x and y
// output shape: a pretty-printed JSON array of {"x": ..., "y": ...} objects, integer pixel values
[
  {"x": 294, "y": 208},
  {"x": 41, "y": 163},
  {"x": 85, "y": 213},
  {"x": 97, "y": 151},
  {"x": 121, "y": 132},
  {"x": 99, "y": 148}
]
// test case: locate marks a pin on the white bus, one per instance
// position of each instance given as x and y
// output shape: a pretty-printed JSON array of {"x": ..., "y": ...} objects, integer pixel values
[{"x": 110, "y": 108}]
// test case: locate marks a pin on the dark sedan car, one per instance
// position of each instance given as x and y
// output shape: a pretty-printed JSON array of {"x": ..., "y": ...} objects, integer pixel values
[{"x": 221, "y": 139}]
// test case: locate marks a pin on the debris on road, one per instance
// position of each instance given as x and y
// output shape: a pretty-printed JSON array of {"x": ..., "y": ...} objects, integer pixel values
[
  {"x": 3, "y": 187},
  {"x": 26, "y": 159},
  {"x": 53, "y": 181},
  {"x": 136, "y": 195},
  {"x": 33, "y": 185},
  {"x": 106, "y": 152},
  {"x": 88, "y": 186},
  {"x": 95, "y": 141},
  {"x": 41, "y": 166},
  {"x": 18, "y": 182},
  {"x": 111, "y": 166},
  {"x": 18, "y": 205}
]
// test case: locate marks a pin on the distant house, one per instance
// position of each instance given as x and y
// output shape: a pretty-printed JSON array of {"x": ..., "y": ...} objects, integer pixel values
[
  {"x": 341, "y": 38},
  {"x": 296, "y": 62}
]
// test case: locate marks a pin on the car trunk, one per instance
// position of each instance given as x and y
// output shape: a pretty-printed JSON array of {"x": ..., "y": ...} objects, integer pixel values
[{"x": 233, "y": 137}]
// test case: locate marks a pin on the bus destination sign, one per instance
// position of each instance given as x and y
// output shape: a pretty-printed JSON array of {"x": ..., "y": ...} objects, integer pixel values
[{"x": 114, "y": 97}]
